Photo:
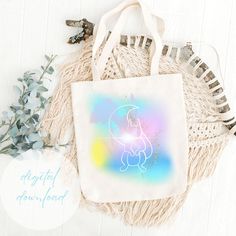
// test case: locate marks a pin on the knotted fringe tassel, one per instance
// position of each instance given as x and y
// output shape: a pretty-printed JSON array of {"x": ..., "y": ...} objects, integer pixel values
[
  {"x": 141, "y": 213},
  {"x": 203, "y": 160}
]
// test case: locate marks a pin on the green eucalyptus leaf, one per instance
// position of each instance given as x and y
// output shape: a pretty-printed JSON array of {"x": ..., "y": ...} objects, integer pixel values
[
  {"x": 20, "y": 151},
  {"x": 34, "y": 119},
  {"x": 21, "y": 101},
  {"x": 22, "y": 118},
  {"x": 24, "y": 130},
  {"x": 3, "y": 123},
  {"x": 27, "y": 130},
  {"x": 33, "y": 93},
  {"x": 27, "y": 79},
  {"x": 48, "y": 58},
  {"x": 18, "y": 140},
  {"x": 43, "y": 99},
  {"x": 34, "y": 137},
  {"x": 19, "y": 112},
  {"x": 15, "y": 108},
  {"x": 33, "y": 86},
  {"x": 33, "y": 103},
  {"x": 13, "y": 132},
  {"x": 38, "y": 145},
  {"x": 43, "y": 133},
  {"x": 17, "y": 90},
  {"x": 27, "y": 111},
  {"x": 12, "y": 152},
  {"x": 50, "y": 70},
  {"x": 42, "y": 89},
  {"x": 18, "y": 124},
  {"x": 27, "y": 140},
  {"x": 10, "y": 114},
  {"x": 6, "y": 116}
]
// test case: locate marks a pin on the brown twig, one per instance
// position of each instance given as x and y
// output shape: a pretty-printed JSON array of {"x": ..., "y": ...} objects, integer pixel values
[{"x": 85, "y": 30}]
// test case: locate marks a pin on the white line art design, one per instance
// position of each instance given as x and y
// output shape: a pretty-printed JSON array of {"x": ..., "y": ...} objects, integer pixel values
[{"x": 125, "y": 128}]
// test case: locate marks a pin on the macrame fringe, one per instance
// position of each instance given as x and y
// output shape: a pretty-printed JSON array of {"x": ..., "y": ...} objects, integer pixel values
[
  {"x": 141, "y": 213},
  {"x": 203, "y": 160}
]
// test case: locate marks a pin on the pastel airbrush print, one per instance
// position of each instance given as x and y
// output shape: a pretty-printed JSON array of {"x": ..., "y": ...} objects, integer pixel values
[
  {"x": 129, "y": 138},
  {"x": 126, "y": 129}
]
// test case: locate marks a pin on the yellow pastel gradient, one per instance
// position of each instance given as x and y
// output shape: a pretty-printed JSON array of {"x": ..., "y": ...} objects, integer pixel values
[{"x": 99, "y": 152}]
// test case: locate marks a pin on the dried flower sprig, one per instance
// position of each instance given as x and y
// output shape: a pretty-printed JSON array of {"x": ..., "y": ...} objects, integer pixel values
[{"x": 20, "y": 125}]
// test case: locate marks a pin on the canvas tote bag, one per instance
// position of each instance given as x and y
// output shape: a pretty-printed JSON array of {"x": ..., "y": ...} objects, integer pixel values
[{"x": 131, "y": 133}]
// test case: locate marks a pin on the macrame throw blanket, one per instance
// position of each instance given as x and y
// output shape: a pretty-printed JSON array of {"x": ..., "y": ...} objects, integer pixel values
[{"x": 208, "y": 116}]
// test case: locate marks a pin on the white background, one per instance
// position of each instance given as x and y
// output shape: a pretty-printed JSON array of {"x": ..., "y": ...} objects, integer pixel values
[{"x": 31, "y": 28}]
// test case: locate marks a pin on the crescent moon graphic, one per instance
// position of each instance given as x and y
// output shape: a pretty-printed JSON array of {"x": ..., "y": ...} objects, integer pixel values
[
  {"x": 128, "y": 132},
  {"x": 120, "y": 116}
]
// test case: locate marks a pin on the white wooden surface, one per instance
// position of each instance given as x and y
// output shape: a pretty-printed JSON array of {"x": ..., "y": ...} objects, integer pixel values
[{"x": 31, "y": 28}]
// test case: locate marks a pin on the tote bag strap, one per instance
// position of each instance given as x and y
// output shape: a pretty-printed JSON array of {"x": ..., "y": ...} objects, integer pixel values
[{"x": 125, "y": 8}]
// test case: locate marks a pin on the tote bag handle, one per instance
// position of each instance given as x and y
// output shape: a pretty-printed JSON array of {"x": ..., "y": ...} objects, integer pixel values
[{"x": 125, "y": 8}]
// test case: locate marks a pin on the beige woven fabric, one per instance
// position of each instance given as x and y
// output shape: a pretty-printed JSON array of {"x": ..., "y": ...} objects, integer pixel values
[{"x": 207, "y": 134}]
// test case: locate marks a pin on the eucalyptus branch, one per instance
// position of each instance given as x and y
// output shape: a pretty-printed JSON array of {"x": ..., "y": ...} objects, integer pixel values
[
  {"x": 21, "y": 123},
  {"x": 5, "y": 134},
  {"x": 5, "y": 150},
  {"x": 48, "y": 68}
]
